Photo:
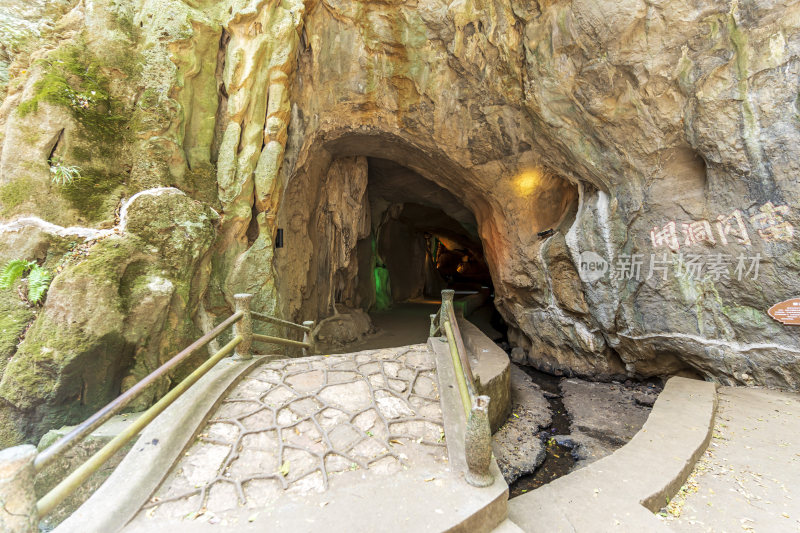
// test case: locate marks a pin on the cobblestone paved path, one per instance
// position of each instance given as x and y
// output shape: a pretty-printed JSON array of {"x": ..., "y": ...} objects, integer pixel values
[{"x": 294, "y": 425}]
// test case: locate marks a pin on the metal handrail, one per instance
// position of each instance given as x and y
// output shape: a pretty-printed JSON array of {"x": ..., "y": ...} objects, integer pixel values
[
  {"x": 280, "y": 322},
  {"x": 241, "y": 319},
  {"x": 478, "y": 436},
  {"x": 66, "y": 442},
  {"x": 462, "y": 351},
  {"x": 281, "y": 341},
  {"x": 448, "y": 324},
  {"x": 463, "y": 388},
  {"x": 61, "y": 491}
]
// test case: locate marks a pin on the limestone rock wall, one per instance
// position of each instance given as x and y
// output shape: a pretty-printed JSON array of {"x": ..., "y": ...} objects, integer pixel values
[{"x": 650, "y": 137}]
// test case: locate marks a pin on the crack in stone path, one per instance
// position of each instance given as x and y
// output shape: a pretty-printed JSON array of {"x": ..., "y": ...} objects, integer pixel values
[{"x": 292, "y": 425}]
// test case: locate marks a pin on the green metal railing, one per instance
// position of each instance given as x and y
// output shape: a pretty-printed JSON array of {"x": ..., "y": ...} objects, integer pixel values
[
  {"x": 478, "y": 438},
  {"x": 23, "y": 463},
  {"x": 444, "y": 321}
]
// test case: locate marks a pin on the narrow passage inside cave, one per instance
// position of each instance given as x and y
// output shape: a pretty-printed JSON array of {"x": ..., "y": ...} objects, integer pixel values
[{"x": 414, "y": 239}]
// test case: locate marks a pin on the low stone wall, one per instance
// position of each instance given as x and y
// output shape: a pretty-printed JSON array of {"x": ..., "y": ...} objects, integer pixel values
[
  {"x": 467, "y": 304},
  {"x": 491, "y": 369}
]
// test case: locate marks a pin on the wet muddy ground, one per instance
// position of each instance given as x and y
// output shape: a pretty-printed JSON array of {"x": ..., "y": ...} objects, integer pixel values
[
  {"x": 561, "y": 424},
  {"x": 558, "y": 459}
]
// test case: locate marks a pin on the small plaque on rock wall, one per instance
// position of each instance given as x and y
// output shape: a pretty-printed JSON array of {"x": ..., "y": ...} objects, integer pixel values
[{"x": 787, "y": 312}]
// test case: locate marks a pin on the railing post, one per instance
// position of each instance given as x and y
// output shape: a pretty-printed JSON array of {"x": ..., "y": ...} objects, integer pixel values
[
  {"x": 478, "y": 444},
  {"x": 17, "y": 496},
  {"x": 244, "y": 327},
  {"x": 308, "y": 338},
  {"x": 447, "y": 303},
  {"x": 434, "y": 327}
]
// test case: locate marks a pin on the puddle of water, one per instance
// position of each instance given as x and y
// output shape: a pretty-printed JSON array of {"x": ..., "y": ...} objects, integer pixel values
[{"x": 558, "y": 459}]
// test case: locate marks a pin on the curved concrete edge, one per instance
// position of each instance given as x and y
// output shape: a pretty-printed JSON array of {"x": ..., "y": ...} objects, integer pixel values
[
  {"x": 620, "y": 492},
  {"x": 489, "y": 505},
  {"x": 161, "y": 443},
  {"x": 691, "y": 405},
  {"x": 491, "y": 368},
  {"x": 507, "y": 526}
]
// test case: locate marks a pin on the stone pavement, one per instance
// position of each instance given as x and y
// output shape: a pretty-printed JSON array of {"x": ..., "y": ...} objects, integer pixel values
[
  {"x": 296, "y": 427},
  {"x": 749, "y": 478}
]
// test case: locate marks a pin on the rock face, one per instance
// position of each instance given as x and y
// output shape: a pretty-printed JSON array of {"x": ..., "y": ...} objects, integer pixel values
[
  {"x": 116, "y": 310},
  {"x": 655, "y": 141},
  {"x": 343, "y": 328},
  {"x": 516, "y": 445},
  {"x": 603, "y": 416}
]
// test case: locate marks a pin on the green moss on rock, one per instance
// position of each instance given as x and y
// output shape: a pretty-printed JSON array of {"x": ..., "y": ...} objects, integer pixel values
[
  {"x": 78, "y": 80},
  {"x": 15, "y": 193},
  {"x": 14, "y": 318},
  {"x": 94, "y": 194},
  {"x": 73, "y": 78},
  {"x": 111, "y": 317}
]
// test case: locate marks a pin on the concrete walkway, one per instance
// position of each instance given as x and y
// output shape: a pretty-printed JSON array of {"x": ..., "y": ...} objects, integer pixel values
[
  {"x": 749, "y": 478},
  {"x": 355, "y": 442},
  {"x": 351, "y": 442},
  {"x": 296, "y": 426},
  {"x": 405, "y": 323}
]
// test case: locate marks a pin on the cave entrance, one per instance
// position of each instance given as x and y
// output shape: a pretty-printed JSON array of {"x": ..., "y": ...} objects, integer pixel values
[{"x": 377, "y": 238}]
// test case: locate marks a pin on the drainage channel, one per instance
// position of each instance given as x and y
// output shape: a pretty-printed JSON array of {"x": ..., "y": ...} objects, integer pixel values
[{"x": 558, "y": 459}]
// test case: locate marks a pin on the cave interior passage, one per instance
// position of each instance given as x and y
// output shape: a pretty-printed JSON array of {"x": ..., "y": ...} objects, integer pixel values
[
  {"x": 387, "y": 241},
  {"x": 425, "y": 239}
]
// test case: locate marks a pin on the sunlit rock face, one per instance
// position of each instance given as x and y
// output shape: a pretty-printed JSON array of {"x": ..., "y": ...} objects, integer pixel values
[{"x": 657, "y": 142}]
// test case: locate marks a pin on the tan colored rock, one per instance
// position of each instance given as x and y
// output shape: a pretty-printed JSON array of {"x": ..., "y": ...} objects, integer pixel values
[{"x": 605, "y": 122}]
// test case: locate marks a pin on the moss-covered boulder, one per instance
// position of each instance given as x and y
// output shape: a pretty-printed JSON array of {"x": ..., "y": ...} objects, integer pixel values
[
  {"x": 14, "y": 318},
  {"x": 110, "y": 317}
]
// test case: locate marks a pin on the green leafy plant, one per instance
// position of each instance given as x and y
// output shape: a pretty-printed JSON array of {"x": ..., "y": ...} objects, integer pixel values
[
  {"x": 38, "y": 278},
  {"x": 38, "y": 283},
  {"x": 13, "y": 271},
  {"x": 63, "y": 174}
]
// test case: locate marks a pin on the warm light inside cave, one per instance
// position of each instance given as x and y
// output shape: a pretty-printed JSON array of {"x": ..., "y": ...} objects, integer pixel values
[{"x": 527, "y": 182}]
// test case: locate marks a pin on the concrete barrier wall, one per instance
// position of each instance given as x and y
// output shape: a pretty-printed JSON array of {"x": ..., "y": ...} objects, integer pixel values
[
  {"x": 491, "y": 369},
  {"x": 468, "y": 303}
]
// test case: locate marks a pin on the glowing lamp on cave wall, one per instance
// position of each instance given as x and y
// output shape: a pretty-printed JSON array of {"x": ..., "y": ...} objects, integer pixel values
[{"x": 527, "y": 182}]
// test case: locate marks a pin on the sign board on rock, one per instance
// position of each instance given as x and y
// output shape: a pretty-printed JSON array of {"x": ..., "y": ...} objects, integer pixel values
[{"x": 787, "y": 312}]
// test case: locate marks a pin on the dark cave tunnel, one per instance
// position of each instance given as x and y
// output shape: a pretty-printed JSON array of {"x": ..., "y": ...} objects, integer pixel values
[
  {"x": 378, "y": 237},
  {"x": 426, "y": 240}
]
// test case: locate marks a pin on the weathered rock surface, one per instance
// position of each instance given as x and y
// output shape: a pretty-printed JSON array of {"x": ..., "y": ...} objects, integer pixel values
[
  {"x": 657, "y": 142},
  {"x": 516, "y": 445},
  {"x": 603, "y": 416},
  {"x": 346, "y": 326},
  {"x": 112, "y": 315}
]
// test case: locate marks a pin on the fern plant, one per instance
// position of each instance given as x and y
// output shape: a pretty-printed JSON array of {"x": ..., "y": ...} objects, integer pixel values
[
  {"x": 63, "y": 174},
  {"x": 38, "y": 278},
  {"x": 13, "y": 271},
  {"x": 38, "y": 282}
]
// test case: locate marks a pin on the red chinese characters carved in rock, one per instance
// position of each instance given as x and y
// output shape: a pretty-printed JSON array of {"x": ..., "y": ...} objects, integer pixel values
[{"x": 769, "y": 221}]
